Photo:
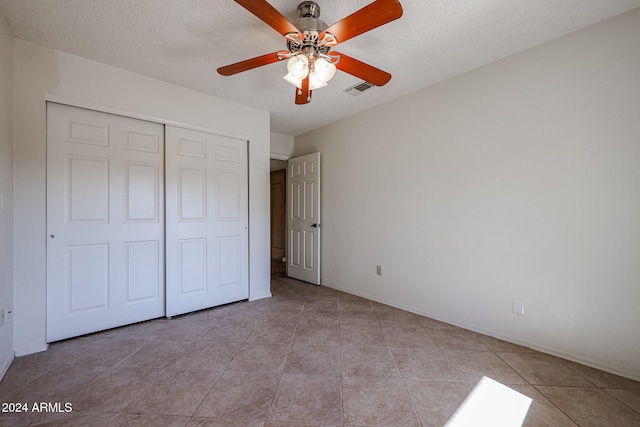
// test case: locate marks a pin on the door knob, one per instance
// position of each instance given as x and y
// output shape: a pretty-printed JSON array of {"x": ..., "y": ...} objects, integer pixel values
[{"x": 315, "y": 225}]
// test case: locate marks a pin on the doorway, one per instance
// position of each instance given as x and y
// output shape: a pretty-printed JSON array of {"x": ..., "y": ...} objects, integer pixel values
[{"x": 278, "y": 219}]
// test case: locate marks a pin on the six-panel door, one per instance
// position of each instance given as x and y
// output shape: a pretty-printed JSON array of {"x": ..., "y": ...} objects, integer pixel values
[
  {"x": 207, "y": 220},
  {"x": 303, "y": 208},
  {"x": 105, "y": 221}
]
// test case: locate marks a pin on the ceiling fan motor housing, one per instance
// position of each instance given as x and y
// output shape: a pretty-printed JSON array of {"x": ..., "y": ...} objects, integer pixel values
[
  {"x": 310, "y": 26},
  {"x": 308, "y": 9}
]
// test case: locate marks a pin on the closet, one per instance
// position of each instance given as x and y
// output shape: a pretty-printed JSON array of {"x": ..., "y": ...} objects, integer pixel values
[{"x": 144, "y": 220}]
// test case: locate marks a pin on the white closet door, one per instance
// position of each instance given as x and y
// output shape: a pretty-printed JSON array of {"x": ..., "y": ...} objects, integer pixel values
[
  {"x": 207, "y": 250},
  {"x": 105, "y": 221}
]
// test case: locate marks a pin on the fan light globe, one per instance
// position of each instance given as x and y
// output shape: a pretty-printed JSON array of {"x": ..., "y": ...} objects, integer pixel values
[
  {"x": 324, "y": 69},
  {"x": 298, "y": 66},
  {"x": 296, "y": 82},
  {"x": 315, "y": 82}
]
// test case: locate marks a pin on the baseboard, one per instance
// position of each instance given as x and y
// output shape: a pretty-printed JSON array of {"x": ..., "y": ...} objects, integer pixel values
[
  {"x": 30, "y": 350},
  {"x": 5, "y": 367},
  {"x": 534, "y": 346},
  {"x": 261, "y": 296}
]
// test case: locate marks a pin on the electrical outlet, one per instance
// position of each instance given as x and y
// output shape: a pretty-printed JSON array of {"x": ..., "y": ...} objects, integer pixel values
[
  {"x": 517, "y": 306},
  {"x": 379, "y": 270}
]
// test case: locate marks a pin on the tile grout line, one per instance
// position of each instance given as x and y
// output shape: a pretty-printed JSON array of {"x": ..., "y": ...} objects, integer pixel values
[
  {"x": 554, "y": 404},
  {"x": 535, "y": 387},
  {"x": 616, "y": 398},
  {"x": 281, "y": 374},
  {"x": 223, "y": 370}
]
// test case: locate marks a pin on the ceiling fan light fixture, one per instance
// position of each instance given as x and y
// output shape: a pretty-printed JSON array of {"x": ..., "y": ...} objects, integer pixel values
[
  {"x": 310, "y": 65},
  {"x": 315, "y": 82},
  {"x": 291, "y": 79},
  {"x": 298, "y": 66},
  {"x": 324, "y": 69}
]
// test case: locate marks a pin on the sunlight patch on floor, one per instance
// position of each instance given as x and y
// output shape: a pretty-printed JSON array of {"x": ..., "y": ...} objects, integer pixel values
[{"x": 491, "y": 404}]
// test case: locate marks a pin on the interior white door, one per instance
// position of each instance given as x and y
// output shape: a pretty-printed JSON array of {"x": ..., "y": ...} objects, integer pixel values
[
  {"x": 207, "y": 237},
  {"x": 303, "y": 211},
  {"x": 105, "y": 221}
]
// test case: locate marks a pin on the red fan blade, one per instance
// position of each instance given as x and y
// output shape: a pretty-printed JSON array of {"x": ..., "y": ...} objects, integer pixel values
[
  {"x": 361, "y": 70},
  {"x": 378, "y": 13},
  {"x": 248, "y": 64},
  {"x": 269, "y": 15},
  {"x": 303, "y": 96}
]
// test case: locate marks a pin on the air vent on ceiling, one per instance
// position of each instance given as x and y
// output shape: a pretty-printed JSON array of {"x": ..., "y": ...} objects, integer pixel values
[{"x": 358, "y": 89}]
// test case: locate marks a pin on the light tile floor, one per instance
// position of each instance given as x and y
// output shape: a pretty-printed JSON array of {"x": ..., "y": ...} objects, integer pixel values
[{"x": 309, "y": 356}]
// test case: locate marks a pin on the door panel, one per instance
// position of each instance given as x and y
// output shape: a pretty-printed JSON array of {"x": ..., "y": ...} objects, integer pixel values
[
  {"x": 142, "y": 271},
  {"x": 207, "y": 220},
  {"x": 309, "y": 249},
  {"x": 87, "y": 191},
  {"x": 228, "y": 195},
  {"x": 88, "y": 277},
  {"x": 303, "y": 182},
  {"x": 105, "y": 223},
  {"x": 192, "y": 264},
  {"x": 229, "y": 260},
  {"x": 192, "y": 195},
  {"x": 142, "y": 192}
]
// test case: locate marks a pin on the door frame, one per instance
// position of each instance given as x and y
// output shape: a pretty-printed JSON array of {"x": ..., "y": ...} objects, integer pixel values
[{"x": 283, "y": 205}]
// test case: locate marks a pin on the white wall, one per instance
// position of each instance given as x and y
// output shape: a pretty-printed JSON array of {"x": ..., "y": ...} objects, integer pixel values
[
  {"x": 281, "y": 146},
  {"x": 6, "y": 191},
  {"x": 520, "y": 179},
  {"x": 40, "y": 71}
]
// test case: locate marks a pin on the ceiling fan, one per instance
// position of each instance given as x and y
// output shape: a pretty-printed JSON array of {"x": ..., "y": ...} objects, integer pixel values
[{"x": 310, "y": 64}]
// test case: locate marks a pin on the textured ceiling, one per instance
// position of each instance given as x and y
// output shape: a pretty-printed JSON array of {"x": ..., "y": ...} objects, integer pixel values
[{"x": 185, "y": 41}]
